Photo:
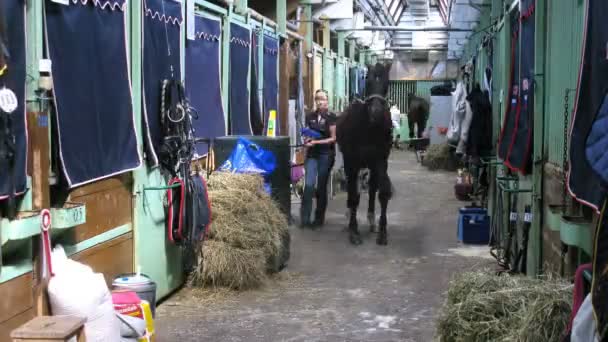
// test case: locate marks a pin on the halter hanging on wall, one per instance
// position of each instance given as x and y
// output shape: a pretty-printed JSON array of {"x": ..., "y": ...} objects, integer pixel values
[{"x": 4, "y": 53}]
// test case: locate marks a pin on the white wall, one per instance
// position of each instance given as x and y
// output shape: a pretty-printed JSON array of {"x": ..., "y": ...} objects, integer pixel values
[{"x": 436, "y": 67}]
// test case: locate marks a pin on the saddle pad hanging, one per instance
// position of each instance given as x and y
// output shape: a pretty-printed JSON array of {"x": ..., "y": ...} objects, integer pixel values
[
  {"x": 175, "y": 215},
  {"x": 199, "y": 209}
]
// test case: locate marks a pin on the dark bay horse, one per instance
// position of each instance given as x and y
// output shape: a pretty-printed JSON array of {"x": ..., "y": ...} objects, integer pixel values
[
  {"x": 418, "y": 114},
  {"x": 364, "y": 136}
]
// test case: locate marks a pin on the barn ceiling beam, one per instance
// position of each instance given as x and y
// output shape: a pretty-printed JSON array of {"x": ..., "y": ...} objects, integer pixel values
[
  {"x": 410, "y": 49},
  {"x": 406, "y": 28}
]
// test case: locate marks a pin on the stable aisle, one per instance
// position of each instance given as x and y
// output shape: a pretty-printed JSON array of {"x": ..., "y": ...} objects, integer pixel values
[{"x": 332, "y": 291}]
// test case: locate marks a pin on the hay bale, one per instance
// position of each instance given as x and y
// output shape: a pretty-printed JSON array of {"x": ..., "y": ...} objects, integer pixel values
[
  {"x": 470, "y": 283},
  {"x": 440, "y": 157},
  {"x": 246, "y": 223},
  {"x": 482, "y": 306},
  {"x": 554, "y": 307},
  {"x": 221, "y": 264},
  {"x": 244, "y": 220},
  {"x": 226, "y": 180},
  {"x": 279, "y": 261}
]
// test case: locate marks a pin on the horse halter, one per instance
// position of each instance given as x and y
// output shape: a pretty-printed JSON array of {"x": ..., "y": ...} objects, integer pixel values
[
  {"x": 368, "y": 99},
  {"x": 4, "y": 52},
  {"x": 4, "y": 56}
]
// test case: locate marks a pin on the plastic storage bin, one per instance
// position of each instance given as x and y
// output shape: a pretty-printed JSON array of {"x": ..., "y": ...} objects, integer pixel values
[{"x": 473, "y": 226}]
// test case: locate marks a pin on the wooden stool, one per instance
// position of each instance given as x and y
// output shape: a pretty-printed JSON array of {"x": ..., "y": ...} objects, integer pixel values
[{"x": 50, "y": 328}]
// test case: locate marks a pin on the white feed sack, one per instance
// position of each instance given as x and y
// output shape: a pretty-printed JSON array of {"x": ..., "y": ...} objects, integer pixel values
[{"x": 76, "y": 290}]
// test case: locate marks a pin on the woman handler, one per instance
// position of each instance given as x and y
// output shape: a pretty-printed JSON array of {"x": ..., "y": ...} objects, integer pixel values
[{"x": 320, "y": 154}]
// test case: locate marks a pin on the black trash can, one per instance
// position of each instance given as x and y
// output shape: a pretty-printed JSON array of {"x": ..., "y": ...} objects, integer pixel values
[{"x": 280, "y": 179}]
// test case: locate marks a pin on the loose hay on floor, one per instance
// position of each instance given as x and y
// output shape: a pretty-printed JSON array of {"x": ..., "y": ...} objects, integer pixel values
[
  {"x": 439, "y": 157},
  {"x": 248, "y": 234},
  {"x": 482, "y": 306}
]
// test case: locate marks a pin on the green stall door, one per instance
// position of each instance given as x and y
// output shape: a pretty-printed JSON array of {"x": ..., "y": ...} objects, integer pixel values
[
  {"x": 340, "y": 85},
  {"x": 328, "y": 79}
]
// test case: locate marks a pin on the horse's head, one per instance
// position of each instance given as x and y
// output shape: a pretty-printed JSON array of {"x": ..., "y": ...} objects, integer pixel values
[
  {"x": 376, "y": 90},
  {"x": 377, "y": 79},
  {"x": 377, "y": 109}
]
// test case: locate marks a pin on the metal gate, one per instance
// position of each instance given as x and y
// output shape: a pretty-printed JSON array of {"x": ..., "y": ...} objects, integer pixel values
[{"x": 398, "y": 91}]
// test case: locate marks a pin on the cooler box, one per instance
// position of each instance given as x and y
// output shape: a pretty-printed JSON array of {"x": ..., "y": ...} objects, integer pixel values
[{"x": 473, "y": 226}]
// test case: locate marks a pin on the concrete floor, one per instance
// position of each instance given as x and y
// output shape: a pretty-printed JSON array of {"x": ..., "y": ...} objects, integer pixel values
[{"x": 332, "y": 291}]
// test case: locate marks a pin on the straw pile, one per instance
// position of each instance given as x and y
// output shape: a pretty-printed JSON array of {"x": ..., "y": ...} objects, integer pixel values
[
  {"x": 248, "y": 238},
  {"x": 439, "y": 157},
  {"x": 482, "y": 306}
]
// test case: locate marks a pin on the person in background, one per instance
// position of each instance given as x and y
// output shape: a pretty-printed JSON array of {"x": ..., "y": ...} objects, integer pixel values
[
  {"x": 396, "y": 119},
  {"x": 320, "y": 155}
]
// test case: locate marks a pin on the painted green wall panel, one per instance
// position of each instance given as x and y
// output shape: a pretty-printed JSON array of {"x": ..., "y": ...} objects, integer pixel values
[
  {"x": 328, "y": 78},
  {"x": 564, "y": 41},
  {"x": 502, "y": 54},
  {"x": 497, "y": 8},
  {"x": 158, "y": 259}
]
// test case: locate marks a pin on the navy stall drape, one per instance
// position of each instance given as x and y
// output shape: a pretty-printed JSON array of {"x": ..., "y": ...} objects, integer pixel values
[
  {"x": 591, "y": 123},
  {"x": 518, "y": 158},
  {"x": 271, "y": 82},
  {"x": 203, "y": 81},
  {"x": 94, "y": 109},
  {"x": 255, "y": 111},
  {"x": 161, "y": 60},
  {"x": 583, "y": 183},
  {"x": 352, "y": 80},
  {"x": 240, "y": 43},
  {"x": 513, "y": 104},
  {"x": 13, "y": 179},
  {"x": 361, "y": 82}
]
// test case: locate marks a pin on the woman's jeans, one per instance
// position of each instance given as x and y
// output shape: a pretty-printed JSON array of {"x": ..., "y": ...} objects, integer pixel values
[{"x": 317, "y": 173}]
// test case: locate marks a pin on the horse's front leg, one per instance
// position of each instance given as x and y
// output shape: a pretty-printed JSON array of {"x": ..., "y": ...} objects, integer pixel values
[
  {"x": 352, "y": 175},
  {"x": 385, "y": 194}
]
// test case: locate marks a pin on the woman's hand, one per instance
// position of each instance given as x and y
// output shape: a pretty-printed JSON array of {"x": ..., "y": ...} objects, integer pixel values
[{"x": 309, "y": 143}]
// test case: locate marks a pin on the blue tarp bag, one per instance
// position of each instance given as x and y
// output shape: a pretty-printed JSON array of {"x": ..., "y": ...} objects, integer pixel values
[
  {"x": 310, "y": 133},
  {"x": 247, "y": 157}
]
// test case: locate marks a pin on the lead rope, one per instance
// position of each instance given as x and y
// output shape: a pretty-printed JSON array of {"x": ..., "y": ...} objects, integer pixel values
[
  {"x": 565, "y": 151},
  {"x": 565, "y": 169}
]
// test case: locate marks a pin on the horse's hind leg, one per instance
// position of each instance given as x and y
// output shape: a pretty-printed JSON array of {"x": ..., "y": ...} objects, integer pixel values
[
  {"x": 421, "y": 126},
  {"x": 352, "y": 175},
  {"x": 371, "y": 208},
  {"x": 385, "y": 194},
  {"x": 411, "y": 122}
]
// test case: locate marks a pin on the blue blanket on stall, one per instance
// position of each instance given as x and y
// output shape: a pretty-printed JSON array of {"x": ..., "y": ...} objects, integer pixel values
[
  {"x": 13, "y": 178},
  {"x": 587, "y": 137},
  {"x": 513, "y": 104},
  {"x": 203, "y": 81},
  {"x": 597, "y": 142},
  {"x": 240, "y": 43},
  {"x": 271, "y": 81},
  {"x": 519, "y": 155},
  {"x": 95, "y": 122},
  {"x": 255, "y": 111},
  {"x": 592, "y": 115},
  {"x": 361, "y": 89},
  {"x": 161, "y": 60}
]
